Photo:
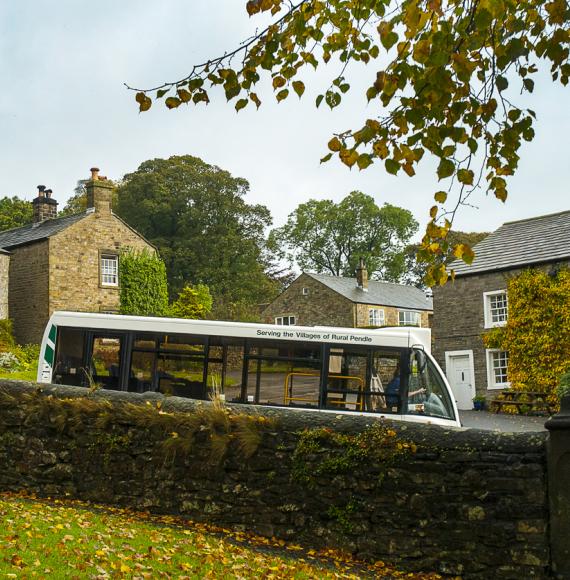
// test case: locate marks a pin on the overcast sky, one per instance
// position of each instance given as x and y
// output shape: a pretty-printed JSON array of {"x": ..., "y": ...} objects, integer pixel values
[{"x": 64, "y": 109}]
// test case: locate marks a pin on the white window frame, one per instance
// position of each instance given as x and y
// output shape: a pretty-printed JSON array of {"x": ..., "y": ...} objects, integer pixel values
[
  {"x": 376, "y": 317},
  {"x": 305, "y": 291},
  {"x": 491, "y": 384},
  {"x": 406, "y": 323},
  {"x": 109, "y": 275},
  {"x": 487, "y": 308},
  {"x": 290, "y": 317}
]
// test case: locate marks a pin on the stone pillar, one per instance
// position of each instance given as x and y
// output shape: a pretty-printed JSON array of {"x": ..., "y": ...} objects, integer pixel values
[
  {"x": 99, "y": 192},
  {"x": 558, "y": 454}
]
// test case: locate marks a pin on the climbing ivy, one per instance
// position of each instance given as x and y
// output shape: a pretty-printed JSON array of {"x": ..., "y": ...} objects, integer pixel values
[
  {"x": 537, "y": 333},
  {"x": 144, "y": 289}
]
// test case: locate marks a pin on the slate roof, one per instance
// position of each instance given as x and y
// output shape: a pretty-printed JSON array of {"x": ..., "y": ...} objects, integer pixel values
[
  {"x": 379, "y": 293},
  {"x": 523, "y": 243},
  {"x": 35, "y": 232}
]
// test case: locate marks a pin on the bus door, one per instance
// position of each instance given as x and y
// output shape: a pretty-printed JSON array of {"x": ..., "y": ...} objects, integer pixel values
[{"x": 105, "y": 355}]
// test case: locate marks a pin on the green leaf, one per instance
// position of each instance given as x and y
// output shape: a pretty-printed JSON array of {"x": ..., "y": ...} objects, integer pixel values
[
  {"x": 281, "y": 95},
  {"x": 299, "y": 87},
  {"x": 319, "y": 100},
  {"x": 241, "y": 104},
  {"x": 465, "y": 176},
  {"x": 528, "y": 85},
  {"x": 364, "y": 161},
  {"x": 172, "y": 102},
  {"x": 326, "y": 158},
  {"x": 445, "y": 169},
  {"x": 440, "y": 197},
  {"x": 391, "y": 166},
  {"x": 501, "y": 82},
  {"x": 334, "y": 144}
]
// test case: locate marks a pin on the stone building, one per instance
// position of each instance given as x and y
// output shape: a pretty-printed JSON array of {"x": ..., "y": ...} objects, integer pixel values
[
  {"x": 4, "y": 265},
  {"x": 321, "y": 300},
  {"x": 66, "y": 263},
  {"x": 477, "y": 301}
]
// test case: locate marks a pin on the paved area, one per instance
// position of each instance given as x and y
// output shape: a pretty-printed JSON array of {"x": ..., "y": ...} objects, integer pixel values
[{"x": 501, "y": 422}]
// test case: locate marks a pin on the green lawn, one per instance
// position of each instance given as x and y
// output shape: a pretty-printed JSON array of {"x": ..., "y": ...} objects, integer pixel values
[
  {"x": 20, "y": 375},
  {"x": 64, "y": 539}
]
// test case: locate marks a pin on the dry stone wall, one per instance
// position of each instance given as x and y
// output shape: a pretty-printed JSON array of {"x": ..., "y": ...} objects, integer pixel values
[{"x": 466, "y": 502}]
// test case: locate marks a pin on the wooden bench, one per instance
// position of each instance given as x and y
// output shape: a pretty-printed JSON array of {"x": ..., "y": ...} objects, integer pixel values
[{"x": 535, "y": 403}]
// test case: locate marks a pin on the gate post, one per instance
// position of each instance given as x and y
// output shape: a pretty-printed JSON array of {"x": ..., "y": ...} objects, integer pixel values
[{"x": 558, "y": 458}]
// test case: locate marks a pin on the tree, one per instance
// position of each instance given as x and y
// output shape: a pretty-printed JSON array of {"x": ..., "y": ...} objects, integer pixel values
[
  {"x": 15, "y": 212},
  {"x": 323, "y": 236},
  {"x": 206, "y": 233},
  {"x": 192, "y": 302},
  {"x": 446, "y": 80},
  {"x": 143, "y": 289},
  {"x": 415, "y": 270},
  {"x": 77, "y": 203}
]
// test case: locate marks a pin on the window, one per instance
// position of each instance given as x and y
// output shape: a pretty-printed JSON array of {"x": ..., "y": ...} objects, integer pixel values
[
  {"x": 285, "y": 320},
  {"x": 376, "y": 317},
  {"x": 305, "y": 291},
  {"x": 496, "y": 307},
  {"x": 497, "y": 369},
  {"x": 109, "y": 270},
  {"x": 409, "y": 318}
]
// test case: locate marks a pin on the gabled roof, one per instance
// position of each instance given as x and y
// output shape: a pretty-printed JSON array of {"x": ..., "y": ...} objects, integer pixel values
[
  {"x": 518, "y": 244},
  {"x": 379, "y": 293},
  {"x": 35, "y": 232}
]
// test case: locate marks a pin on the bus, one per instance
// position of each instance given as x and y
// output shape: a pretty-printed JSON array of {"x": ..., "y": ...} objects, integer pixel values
[{"x": 387, "y": 372}]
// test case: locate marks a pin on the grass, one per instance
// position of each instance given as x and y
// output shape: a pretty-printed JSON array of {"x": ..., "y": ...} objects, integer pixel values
[
  {"x": 29, "y": 375},
  {"x": 65, "y": 539}
]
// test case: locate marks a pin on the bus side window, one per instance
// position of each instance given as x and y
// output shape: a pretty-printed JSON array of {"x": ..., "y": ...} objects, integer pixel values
[
  {"x": 68, "y": 368},
  {"x": 105, "y": 362},
  {"x": 383, "y": 394}
]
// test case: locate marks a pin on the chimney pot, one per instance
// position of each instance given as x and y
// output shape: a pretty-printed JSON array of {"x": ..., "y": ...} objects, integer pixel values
[
  {"x": 41, "y": 189},
  {"x": 94, "y": 173},
  {"x": 48, "y": 192}
]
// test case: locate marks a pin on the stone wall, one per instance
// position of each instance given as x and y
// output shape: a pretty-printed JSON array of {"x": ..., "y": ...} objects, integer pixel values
[
  {"x": 459, "y": 319},
  {"x": 28, "y": 291},
  {"x": 74, "y": 279},
  {"x": 4, "y": 271},
  {"x": 460, "y": 502}
]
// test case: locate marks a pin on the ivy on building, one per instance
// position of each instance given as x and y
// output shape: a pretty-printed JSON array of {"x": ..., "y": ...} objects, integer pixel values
[
  {"x": 537, "y": 332},
  {"x": 144, "y": 290}
]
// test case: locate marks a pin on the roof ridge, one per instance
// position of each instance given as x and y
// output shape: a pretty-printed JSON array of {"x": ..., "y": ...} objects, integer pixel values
[
  {"x": 537, "y": 217},
  {"x": 354, "y": 278}
]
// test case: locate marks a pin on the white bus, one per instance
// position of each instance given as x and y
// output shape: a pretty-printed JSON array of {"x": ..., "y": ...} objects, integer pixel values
[{"x": 385, "y": 372}]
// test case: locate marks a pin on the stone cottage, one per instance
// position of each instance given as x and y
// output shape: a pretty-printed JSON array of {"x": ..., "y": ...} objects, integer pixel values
[
  {"x": 322, "y": 300},
  {"x": 66, "y": 263},
  {"x": 477, "y": 301}
]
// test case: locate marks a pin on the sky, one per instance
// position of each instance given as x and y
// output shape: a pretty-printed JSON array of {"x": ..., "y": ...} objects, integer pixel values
[{"x": 64, "y": 108}]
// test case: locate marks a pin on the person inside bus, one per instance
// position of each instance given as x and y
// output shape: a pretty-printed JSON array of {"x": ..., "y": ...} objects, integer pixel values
[{"x": 393, "y": 389}]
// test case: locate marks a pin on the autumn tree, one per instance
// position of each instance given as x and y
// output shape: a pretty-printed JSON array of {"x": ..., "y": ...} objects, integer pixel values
[
  {"x": 15, "y": 212},
  {"x": 192, "y": 302},
  {"x": 196, "y": 215},
  {"x": 323, "y": 236},
  {"x": 444, "y": 79}
]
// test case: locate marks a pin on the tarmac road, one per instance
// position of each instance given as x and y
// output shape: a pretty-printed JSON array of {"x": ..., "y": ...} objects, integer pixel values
[{"x": 501, "y": 422}]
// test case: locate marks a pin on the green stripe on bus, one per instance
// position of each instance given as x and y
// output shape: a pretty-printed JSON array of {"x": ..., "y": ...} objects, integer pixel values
[
  {"x": 52, "y": 333},
  {"x": 48, "y": 356}
]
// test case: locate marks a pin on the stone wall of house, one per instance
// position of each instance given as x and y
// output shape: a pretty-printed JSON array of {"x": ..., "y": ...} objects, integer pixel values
[
  {"x": 458, "y": 501},
  {"x": 28, "y": 291},
  {"x": 459, "y": 318},
  {"x": 320, "y": 306},
  {"x": 4, "y": 273},
  {"x": 390, "y": 315},
  {"x": 75, "y": 279}
]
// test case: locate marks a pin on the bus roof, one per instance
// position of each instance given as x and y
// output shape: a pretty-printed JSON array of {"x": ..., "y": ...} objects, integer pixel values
[{"x": 389, "y": 336}]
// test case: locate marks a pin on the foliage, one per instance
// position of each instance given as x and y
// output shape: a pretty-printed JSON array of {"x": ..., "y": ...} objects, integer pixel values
[
  {"x": 16, "y": 361},
  {"x": 445, "y": 82},
  {"x": 322, "y": 451},
  {"x": 563, "y": 389},
  {"x": 416, "y": 270},
  {"x": 206, "y": 233},
  {"x": 537, "y": 333},
  {"x": 6, "y": 335},
  {"x": 15, "y": 212},
  {"x": 326, "y": 237},
  {"x": 63, "y": 538},
  {"x": 192, "y": 302},
  {"x": 77, "y": 203},
  {"x": 143, "y": 286}
]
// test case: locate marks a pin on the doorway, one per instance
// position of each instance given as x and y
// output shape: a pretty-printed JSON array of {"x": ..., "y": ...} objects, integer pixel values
[{"x": 460, "y": 374}]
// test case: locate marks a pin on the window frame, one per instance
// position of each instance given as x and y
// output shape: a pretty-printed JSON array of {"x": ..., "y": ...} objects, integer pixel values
[
  {"x": 408, "y": 311},
  {"x": 106, "y": 255},
  {"x": 488, "y": 315},
  {"x": 371, "y": 310},
  {"x": 289, "y": 317},
  {"x": 491, "y": 383}
]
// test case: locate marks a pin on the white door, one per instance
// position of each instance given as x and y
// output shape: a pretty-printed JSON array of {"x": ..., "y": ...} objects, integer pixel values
[{"x": 459, "y": 377}]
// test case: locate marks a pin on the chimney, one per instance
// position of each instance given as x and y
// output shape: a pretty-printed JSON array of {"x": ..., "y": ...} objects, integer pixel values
[
  {"x": 362, "y": 276},
  {"x": 45, "y": 207},
  {"x": 99, "y": 192}
]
